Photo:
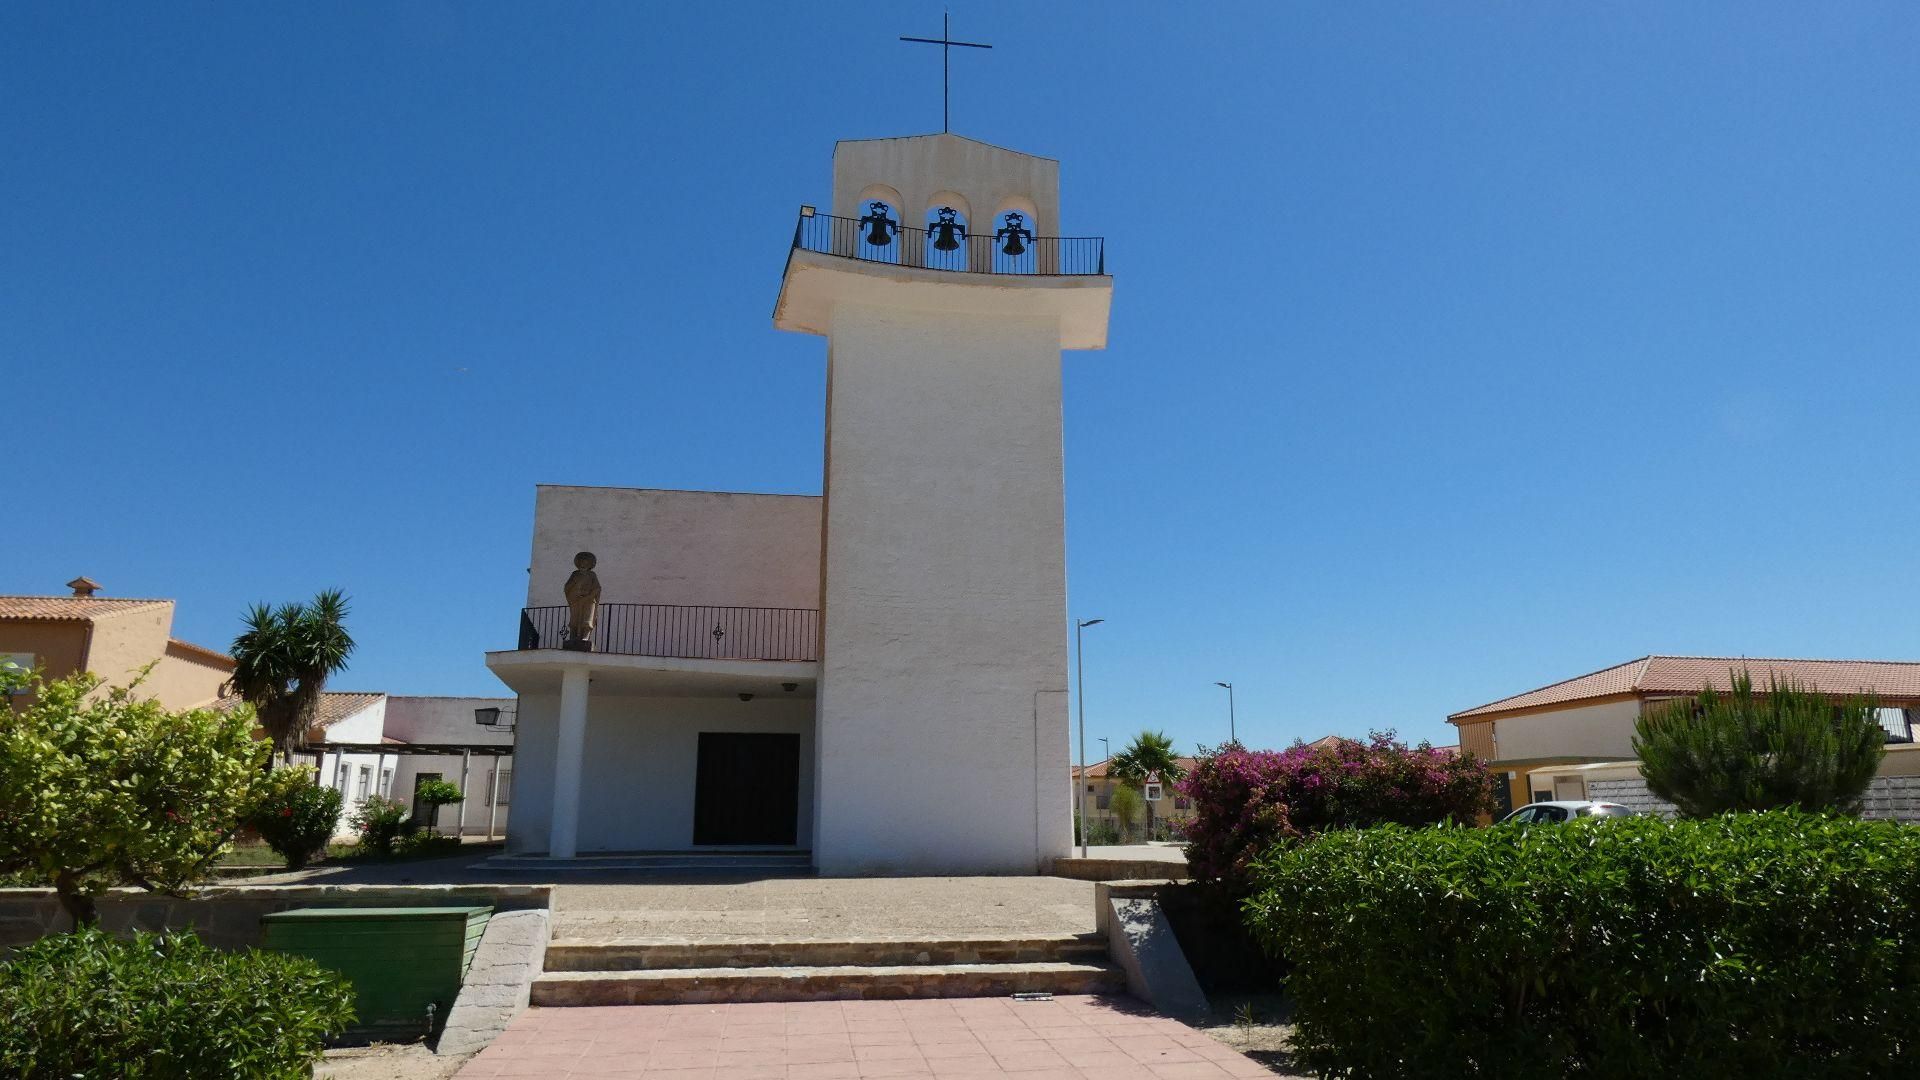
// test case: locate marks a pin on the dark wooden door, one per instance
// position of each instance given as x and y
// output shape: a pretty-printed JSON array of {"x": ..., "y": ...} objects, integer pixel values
[
  {"x": 427, "y": 816},
  {"x": 747, "y": 789}
]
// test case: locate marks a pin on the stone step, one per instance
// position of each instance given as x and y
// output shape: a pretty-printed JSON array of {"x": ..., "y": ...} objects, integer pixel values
[
  {"x": 648, "y": 954},
  {"x": 797, "y": 862},
  {"x": 701, "y": 986}
]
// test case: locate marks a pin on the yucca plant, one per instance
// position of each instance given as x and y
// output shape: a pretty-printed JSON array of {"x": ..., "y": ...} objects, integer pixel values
[
  {"x": 282, "y": 660},
  {"x": 1783, "y": 747}
]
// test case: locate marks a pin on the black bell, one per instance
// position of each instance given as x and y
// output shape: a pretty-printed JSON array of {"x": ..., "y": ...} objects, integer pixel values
[
  {"x": 1012, "y": 234},
  {"x": 879, "y": 225},
  {"x": 946, "y": 231}
]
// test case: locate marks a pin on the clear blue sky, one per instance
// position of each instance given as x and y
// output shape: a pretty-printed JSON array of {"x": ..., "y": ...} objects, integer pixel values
[{"x": 1456, "y": 348}]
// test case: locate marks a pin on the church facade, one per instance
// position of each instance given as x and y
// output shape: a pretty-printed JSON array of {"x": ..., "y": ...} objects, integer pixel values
[{"x": 874, "y": 677}]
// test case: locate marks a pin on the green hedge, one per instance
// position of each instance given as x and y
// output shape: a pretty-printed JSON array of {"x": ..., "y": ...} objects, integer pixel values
[
  {"x": 93, "y": 1007},
  {"x": 1748, "y": 945}
]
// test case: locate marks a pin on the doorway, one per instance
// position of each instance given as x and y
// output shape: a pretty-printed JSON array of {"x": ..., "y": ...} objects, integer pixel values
[
  {"x": 747, "y": 789},
  {"x": 423, "y": 813}
]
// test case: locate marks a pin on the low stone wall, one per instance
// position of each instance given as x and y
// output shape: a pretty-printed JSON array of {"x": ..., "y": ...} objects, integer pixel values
[
  {"x": 228, "y": 917},
  {"x": 1889, "y": 798}
]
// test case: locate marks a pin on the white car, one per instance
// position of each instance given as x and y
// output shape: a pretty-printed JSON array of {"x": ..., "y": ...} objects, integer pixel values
[{"x": 1544, "y": 813}]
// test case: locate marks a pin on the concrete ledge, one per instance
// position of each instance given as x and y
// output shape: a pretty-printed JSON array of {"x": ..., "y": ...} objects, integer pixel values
[
  {"x": 1106, "y": 891},
  {"x": 498, "y": 984},
  {"x": 1142, "y": 944},
  {"x": 228, "y": 916},
  {"x": 1120, "y": 869}
]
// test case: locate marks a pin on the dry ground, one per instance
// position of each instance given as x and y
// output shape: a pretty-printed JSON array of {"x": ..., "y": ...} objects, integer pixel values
[{"x": 387, "y": 1061}]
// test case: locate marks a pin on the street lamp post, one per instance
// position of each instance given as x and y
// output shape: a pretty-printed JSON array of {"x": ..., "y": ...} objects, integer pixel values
[
  {"x": 1232, "y": 735},
  {"x": 1080, "y": 696}
]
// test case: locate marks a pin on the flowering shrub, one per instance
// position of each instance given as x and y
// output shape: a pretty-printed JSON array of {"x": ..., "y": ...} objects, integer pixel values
[
  {"x": 1247, "y": 801},
  {"x": 380, "y": 821},
  {"x": 295, "y": 816}
]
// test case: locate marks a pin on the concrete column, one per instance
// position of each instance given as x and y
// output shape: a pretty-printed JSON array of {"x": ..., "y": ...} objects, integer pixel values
[
  {"x": 569, "y": 744},
  {"x": 493, "y": 797},
  {"x": 466, "y": 768}
]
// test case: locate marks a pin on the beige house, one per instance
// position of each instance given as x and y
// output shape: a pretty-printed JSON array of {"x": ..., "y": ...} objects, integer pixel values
[
  {"x": 1168, "y": 806},
  {"x": 1574, "y": 739},
  {"x": 112, "y": 637}
]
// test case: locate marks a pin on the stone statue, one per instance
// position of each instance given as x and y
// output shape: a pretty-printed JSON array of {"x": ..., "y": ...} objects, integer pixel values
[{"x": 583, "y": 602}]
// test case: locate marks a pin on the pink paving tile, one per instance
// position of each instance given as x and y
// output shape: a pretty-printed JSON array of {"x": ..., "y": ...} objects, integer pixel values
[
  {"x": 892, "y": 1068},
  {"x": 751, "y": 1072},
  {"x": 1099, "y": 1061},
  {"x": 739, "y": 1058},
  {"x": 940, "y": 1039},
  {"x": 892, "y": 1052},
  {"x": 1029, "y": 1060},
  {"x": 951, "y": 1047},
  {"x": 962, "y": 1067},
  {"x": 901, "y": 1037},
  {"x": 1197, "y": 1070},
  {"x": 822, "y": 1070}
]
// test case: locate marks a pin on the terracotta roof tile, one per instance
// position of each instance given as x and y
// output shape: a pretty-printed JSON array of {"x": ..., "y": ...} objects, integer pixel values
[
  {"x": 335, "y": 707},
  {"x": 1618, "y": 679},
  {"x": 1098, "y": 770},
  {"x": 1662, "y": 675},
  {"x": 201, "y": 653},
  {"x": 1687, "y": 674},
  {"x": 68, "y": 608}
]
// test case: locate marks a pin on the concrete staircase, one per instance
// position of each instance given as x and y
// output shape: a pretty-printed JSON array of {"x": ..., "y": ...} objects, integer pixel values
[{"x": 646, "y": 972}]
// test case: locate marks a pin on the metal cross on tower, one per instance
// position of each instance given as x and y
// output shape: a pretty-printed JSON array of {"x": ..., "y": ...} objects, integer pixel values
[{"x": 947, "y": 44}]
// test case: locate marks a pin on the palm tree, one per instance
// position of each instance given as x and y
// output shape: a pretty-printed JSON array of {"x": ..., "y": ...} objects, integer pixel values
[
  {"x": 282, "y": 660},
  {"x": 1149, "y": 757}
]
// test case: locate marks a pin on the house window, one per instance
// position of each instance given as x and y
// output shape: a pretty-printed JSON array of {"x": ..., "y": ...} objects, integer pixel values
[
  {"x": 386, "y": 783},
  {"x": 1101, "y": 802},
  {"x": 366, "y": 781},
  {"x": 502, "y": 786},
  {"x": 1181, "y": 802},
  {"x": 20, "y": 660},
  {"x": 340, "y": 777}
]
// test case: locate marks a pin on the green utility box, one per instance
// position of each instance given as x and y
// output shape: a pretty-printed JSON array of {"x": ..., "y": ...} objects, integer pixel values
[{"x": 406, "y": 963}]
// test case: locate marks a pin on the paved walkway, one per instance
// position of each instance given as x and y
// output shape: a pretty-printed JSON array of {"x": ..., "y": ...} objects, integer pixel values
[
  {"x": 824, "y": 909},
  {"x": 1073, "y": 1038}
]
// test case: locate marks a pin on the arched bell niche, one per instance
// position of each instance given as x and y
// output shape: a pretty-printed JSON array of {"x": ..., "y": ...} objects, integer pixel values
[
  {"x": 947, "y": 233},
  {"x": 1015, "y": 244},
  {"x": 878, "y": 234}
]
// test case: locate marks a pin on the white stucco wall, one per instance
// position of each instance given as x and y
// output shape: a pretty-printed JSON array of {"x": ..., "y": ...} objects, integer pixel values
[
  {"x": 1604, "y": 730},
  {"x": 450, "y": 720},
  {"x": 678, "y": 547},
  {"x": 638, "y": 768},
  {"x": 922, "y": 171},
  {"x": 942, "y": 740}
]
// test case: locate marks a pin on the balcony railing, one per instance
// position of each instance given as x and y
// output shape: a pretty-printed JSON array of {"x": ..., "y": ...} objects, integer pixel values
[
  {"x": 684, "y": 632},
  {"x": 933, "y": 247}
]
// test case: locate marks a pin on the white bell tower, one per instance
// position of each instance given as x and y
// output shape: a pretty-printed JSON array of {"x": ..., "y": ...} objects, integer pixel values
[{"x": 946, "y": 296}]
